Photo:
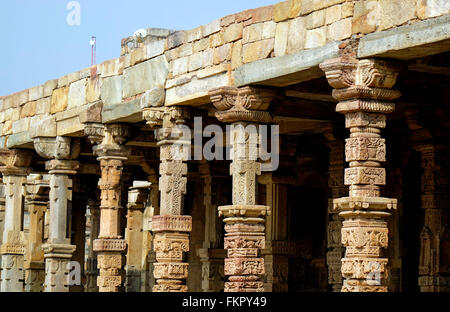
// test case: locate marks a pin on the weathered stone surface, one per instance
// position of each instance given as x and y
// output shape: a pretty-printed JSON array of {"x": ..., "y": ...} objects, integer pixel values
[
  {"x": 43, "y": 106},
  {"x": 77, "y": 94},
  {"x": 36, "y": 93},
  {"x": 396, "y": 12},
  {"x": 333, "y": 14},
  {"x": 194, "y": 34},
  {"x": 211, "y": 28},
  {"x": 281, "y": 11},
  {"x": 269, "y": 29},
  {"x": 28, "y": 110},
  {"x": 281, "y": 38},
  {"x": 125, "y": 112},
  {"x": 366, "y": 16},
  {"x": 216, "y": 40},
  {"x": 111, "y": 90},
  {"x": 138, "y": 55},
  {"x": 296, "y": 36},
  {"x": 112, "y": 67},
  {"x": 49, "y": 86},
  {"x": 21, "y": 125},
  {"x": 180, "y": 66},
  {"x": 257, "y": 50},
  {"x": 46, "y": 127},
  {"x": 195, "y": 61},
  {"x": 59, "y": 100},
  {"x": 253, "y": 33},
  {"x": 236, "y": 55},
  {"x": 294, "y": 8},
  {"x": 176, "y": 39},
  {"x": 222, "y": 54},
  {"x": 144, "y": 76},
  {"x": 315, "y": 38},
  {"x": 340, "y": 30},
  {"x": 233, "y": 32},
  {"x": 201, "y": 45},
  {"x": 315, "y": 19},
  {"x": 409, "y": 41},
  {"x": 155, "y": 48},
  {"x": 432, "y": 8},
  {"x": 93, "y": 89},
  {"x": 315, "y": 5},
  {"x": 91, "y": 113}
]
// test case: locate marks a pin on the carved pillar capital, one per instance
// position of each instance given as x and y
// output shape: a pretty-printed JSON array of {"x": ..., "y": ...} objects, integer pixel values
[
  {"x": 15, "y": 161},
  {"x": 363, "y": 89},
  {"x": 242, "y": 104}
]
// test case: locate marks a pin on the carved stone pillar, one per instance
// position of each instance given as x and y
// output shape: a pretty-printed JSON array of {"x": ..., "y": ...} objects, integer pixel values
[
  {"x": 151, "y": 210},
  {"x": 36, "y": 201},
  {"x": 363, "y": 88},
  {"x": 171, "y": 228},
  {"x": 2, "y": 218},
  {"x": 110, "y": 245},
  {"x": 244, "y": 219},
  {"x": 14, "y": 169},
  {"x": 135, "y": 266},
  {"x": 91, "y": 262},
  {"x": 58, "y": 250},
  {"x": 278, "y": 249},
  {"x": 337, "y": 190}
]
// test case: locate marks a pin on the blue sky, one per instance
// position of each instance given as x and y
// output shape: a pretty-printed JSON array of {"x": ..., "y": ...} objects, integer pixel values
[{"x": 37, "y": 44}]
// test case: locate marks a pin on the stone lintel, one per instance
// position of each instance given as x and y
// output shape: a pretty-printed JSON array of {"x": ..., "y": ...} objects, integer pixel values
[
  {"x": 168, "y": 223},
  {"x": 58, "y": 250},
  {"x": 288, "y": 69},
  {"x": 244, "y": 211}
]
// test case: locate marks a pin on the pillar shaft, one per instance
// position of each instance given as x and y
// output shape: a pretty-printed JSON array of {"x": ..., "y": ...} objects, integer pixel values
[
  {"x": 14, "y": 170},
  {"x": 91, "y": 265},
  {"x": 37, "y": 200},
  {"x": 244, "y": 220},
  {"x": 171, "y": 229},
  {"x": 363, "y": 89}
]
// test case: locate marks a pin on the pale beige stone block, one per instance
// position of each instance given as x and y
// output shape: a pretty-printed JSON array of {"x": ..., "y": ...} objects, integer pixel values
[
  {"x": 296, "y": 36},
  {"x": 222, "y": 54},
  {"x": 233, "y": 32},
  {"x": 180, "y": 66},
  {"x": 333, "y": 14},
  {"x": 49, "y": 86},
  {"x": 281, "y": 38},
  {"x": 216, "y": 40},
  {"x": 211, "y": 28},
  {"x": 257, "y": 50},
  {"x": 93, "y": 89},
  {"x": 195, "y": 61},
  {"x": 252, "y": 33},
  {"x": 340, "y": 30},
  {"x": 201, "y": 45},
  {"x": 77, "y": 94},
  {"x": 366, "y": 17},
  {"x": 36, "y": 93},
  {"x": 316, "y": 38},
  {"x": 43, "y": 106},
  {"x": 396, "y": 12},
  {"x": 59, "y": 100},
  {"x": 194, "y": 34},
  {"x": 28, "y": 109},
  {"x": 432, "y": 8},
  {"x": 281, "y": 11},
  {"x": 315, "y": 19},
  {"x": 269, "y": 29},
  {"x": 236, "y": 55}
]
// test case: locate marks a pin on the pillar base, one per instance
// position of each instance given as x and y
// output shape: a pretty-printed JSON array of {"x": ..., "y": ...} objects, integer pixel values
[
  {"x": 109, "y": 262},
  {"x": 34, "y": 276},
  {"x": 57, "y": 260}
]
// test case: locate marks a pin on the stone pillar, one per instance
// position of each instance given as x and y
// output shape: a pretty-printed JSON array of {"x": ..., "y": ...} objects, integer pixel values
[
  {"x": 244, "y": 219},
  {"x": 171, "y": 228},
  {"x": 58, "y": 250},
  {"x": 36, "y": 201},
  {"x": 110, "y": 245},
  {"x": 2, "y": 219},
  {"x": 337, "y": 190},
  {"x": 14, "y": 167},
  {"x": 135, "y": 267},
  {"x": 363, "y": 89},
  {"x": 278, "y": 248},
  {"x": 151, "y": 210},
  {"x": 91, "y": 265}
]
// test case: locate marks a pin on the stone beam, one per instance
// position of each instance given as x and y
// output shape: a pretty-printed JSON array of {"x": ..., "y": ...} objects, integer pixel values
[
  {"x": 408, "y": 42},
  {"x": 286, "y": 70}
]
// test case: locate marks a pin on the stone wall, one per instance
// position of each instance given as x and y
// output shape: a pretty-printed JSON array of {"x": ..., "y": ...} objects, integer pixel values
[{"x": 189, "y": 63}]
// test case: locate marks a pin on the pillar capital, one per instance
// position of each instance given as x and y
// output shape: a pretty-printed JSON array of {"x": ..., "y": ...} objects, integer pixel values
[
  {"x": 242, "y": 104},
  {"x": 166, "y": 117},
  {"x": 110, "y": 141},
  {"x": 15, "y": 161}
]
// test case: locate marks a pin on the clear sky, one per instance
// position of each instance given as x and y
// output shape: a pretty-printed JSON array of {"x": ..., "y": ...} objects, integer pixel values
[{"x": 38, "y": 44}]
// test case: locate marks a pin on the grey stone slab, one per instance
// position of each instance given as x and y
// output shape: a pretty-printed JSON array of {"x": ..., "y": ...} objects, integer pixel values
[
  {"x": 20, "y": 140},
  {"x": 125, "y": 112},
  {"x": 288, "y": 69},
  {"x": 410, "y": 41},
  {"x": 111, "y": 90}
]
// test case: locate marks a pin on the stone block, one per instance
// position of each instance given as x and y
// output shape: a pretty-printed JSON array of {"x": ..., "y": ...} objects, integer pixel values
[
  {"x": 269, "y": 29},
  {"x": 93, "y": 89},
  {"x": 180, "y": 66},
  {"x": 36, "y": 93},
  {"x": 396, "y": 12},
  {"x": 43, "y": 106},
  {"x": 208, "y": 57},
  {"x": 194, "y": 34},
  {"x": 111, "y": 90},
  {"x": 138, "y": 55},
  {"x": 432, "y": 8},
  {"x": 176, "y": 39},
  {"x": 257, "y": 50},
  {"x": 222, "y": 54},
  {"x": 63, "y": 81},
  {"x": 347, "y": 9},
  {"x": 315, "y": 19},
  {"x": 309, "y": 6},
  {"x": 295, "y": 8},
  {"x": 46, "y": 127},
  {"x": 144, "y": 76},
  {"x": 1, "y": 105},
  {"x": 228, "y": 20},
  {"x": 11, "y": 101},
  {"x": 211, "y": 28},
  {"x": 296, "y": 36},
  {"x": 59, "y": 100},
  {"x": 49, "y": 86},
  {"x": 7, "y": 127},
  {"x": 92, "y": 113},
  {"x": 155, "y": 48},
  {"x": 365, "y": 17},
  {"x": 340, "y": 30},
  {"x": 212, "y": 70},
  {"x": 21, "y": 125},
  {"x": 281, "y": 11},
  {"x": 216, "y": 40},
  {"x": 316, "y": 38},
  {"x": 77, "y": 94},
  {"x": 195, "y": 61},
  {"x": 28, "y": 109},
  {"x": 85, "y": 73},
  {"x": 111, "y": 68},
  {"x": 23, "y": 96},
  {"x": 281, "y": 38},
  {"x": 262, "y": 14},
  {"x": 233, "y": 32},
  {"x": 236, "y": 54},
  {"x": 72, "y": 77},
  {"x": 201, "y": 45},
  {"x": 252, "y": 33},
  {"x": 333, "y": 14}
]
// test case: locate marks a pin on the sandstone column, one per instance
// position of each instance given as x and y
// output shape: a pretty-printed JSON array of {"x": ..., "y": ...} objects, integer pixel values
[
  {"x": 363, "y": 88},
  {"x": 135, "y": 268},
  {"x": 91, "y": 265},
  {"x": 14, "y": 169},
  {"x": 36, "y": 200},
  {"x": 244, "y": 220},
  {"x": 110, "y": 245},
  {"x": 337, "y": 190},
  {"x": 171, "y": 228},
  {"x": 58, "y": 250}
]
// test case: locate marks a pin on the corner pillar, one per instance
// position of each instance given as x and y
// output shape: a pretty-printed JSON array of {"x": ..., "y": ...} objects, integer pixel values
[
  {"x": 363, "y": 89},
  {"x": 15, "y": 170}
]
